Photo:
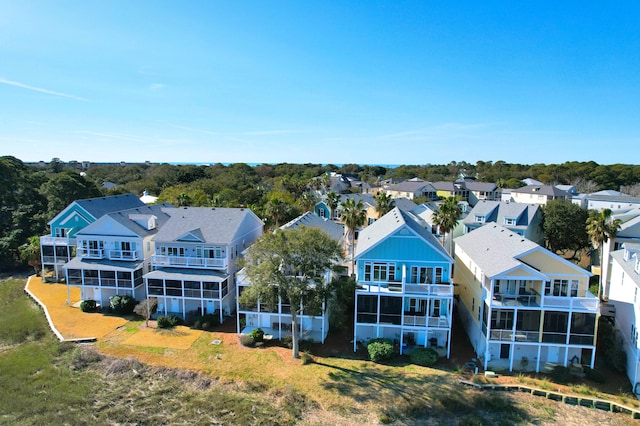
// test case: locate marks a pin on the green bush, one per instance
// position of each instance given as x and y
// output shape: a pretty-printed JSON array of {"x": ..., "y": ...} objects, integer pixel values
[
  {"x": 594, "y": 375},
  {"x": 380, "y": 349},
  {"x": 424, "y": 356},
  {"x": 287, "y": 341},
  {"x": 122, "y": 305},
  {"x": 247, "y": 340},
  {"x": 206, "y": 322},
  {"x": 257, "y": 335},
  {"x": 562, "y": 375},
  {"x": 88, "y": 305},
  {"x": 168, "y": 321}
]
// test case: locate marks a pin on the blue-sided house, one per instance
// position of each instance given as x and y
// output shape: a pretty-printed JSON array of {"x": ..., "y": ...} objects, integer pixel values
[
  {"x": 58, "y": 247},
  {"x": 403, "y": 291}
]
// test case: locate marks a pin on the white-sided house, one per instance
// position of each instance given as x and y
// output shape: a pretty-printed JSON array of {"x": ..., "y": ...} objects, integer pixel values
[
  {"x": 113, "y": 254},
  {"x": 629, "y": 233},
  {"x": 538, "y": 194},
  {"x": 276, "y": 320},
  {"x": 523, "y": 219},
  {"x": 403, "y": 288},
  {"x": 195, "y": 259},
  {"x": 623, "y": 294},
  {"x": 522, "y": 306},
  {"x": 59, "y": 246}
]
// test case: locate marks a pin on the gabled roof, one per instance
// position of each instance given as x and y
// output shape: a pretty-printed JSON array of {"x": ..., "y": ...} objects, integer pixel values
[
  {"x": 215, "y": 225},
  {"x": 333, "y": 229},
  {"x": 387, "y": 225},
  {"x": 129, "y": 219},
  {"x": 498, "y": 211},
  {"x": 365, "y": 198},
  {"x": 480, "y": 186},
  {"x": 547, "y": 190},
  {"x": 618, "y": 198},
  {"x": 98, "y": 207},
  {"x": 412, "y": 185},
  {"x": 404, "y": 204},
  {"x": 497, "y": 250}
]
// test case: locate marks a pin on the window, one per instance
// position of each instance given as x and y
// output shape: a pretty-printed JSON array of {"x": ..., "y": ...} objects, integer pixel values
[
  {"x": 635, "y": 295},
  {"x": 574, "y": 288},
  {"x": 438, "y": 275},
  {"x": 367, "y": 271},
  {"x": 378, "y": 271},
  {"x": 560, "y": 287},
  {"x": 61, "y": 232},
  {"x": 322, "y": 213},
  {"x": 478, "y": 219},
  {"x": 371, "y": 220},
  {"x": 509, "y": 221},
  {"x": 175, "y": 251}
]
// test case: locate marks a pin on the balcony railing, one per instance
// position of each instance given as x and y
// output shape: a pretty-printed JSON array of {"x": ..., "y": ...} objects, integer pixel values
[
  {"x": 188, "y": 262},
  {"x": 589, "y": 303},
  {"x": 48, "y": 240},
  {"x": 517, "y": 336},
  {"x": 443, "y": 290},
  {"x": 90, "y": 253},
  {"x": 55, "y": 259},
  {"x": 123, "y": 255}
]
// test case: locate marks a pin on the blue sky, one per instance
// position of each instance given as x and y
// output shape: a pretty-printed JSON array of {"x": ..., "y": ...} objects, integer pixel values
[{"x": 368, "y": 82}]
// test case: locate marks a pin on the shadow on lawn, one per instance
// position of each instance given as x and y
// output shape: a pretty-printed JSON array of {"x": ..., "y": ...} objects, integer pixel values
[{"x": 415, "y": 396}]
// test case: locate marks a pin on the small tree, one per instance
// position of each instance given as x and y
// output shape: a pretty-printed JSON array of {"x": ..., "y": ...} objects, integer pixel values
[
  {"x": 30, "y": 253},
  {"x": 146, "y": 309},
  {"x": 446, "y": 217},
  {"x": 384, "y": 203},
  {"x": 291, "y": 264},
  {"x": 601, "y": 227},
  {"x": 333, "y": 200},
  {"x": 563, "y": 226},
  {"x": 354, "y": 216}
]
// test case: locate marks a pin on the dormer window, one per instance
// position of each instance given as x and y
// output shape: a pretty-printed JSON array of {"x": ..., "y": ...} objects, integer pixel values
[
  {"x": 478, "y": 219},
  {"x": 637, "y": 268},
  {"x": 509, "y": 221}
]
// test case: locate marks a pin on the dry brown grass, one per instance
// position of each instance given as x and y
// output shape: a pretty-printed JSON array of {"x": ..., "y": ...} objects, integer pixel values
[
  {"x": 70, "y": 321},
  {"x": 174, "y": 338}
]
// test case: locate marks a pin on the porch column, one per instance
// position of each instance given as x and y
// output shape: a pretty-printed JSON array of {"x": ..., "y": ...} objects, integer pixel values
[
  {"x": 355, "y": 323},
  {"x": 538, "y": 359}
]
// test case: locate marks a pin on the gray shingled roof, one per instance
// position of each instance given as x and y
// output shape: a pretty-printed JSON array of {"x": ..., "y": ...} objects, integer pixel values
[
  {"x": 389, "y": 224},
  {"x": 404, "y": 204},
  {"x": 497, "y": 211},
  {"x": 217, "y": 225},
  {"x": 100, "y": 206},
  {"x": 365, "y": 198},
  {"x": 127, "y": 218},
  {"x": 333, "y": 229},
  {"x": 494, "y": 248}
]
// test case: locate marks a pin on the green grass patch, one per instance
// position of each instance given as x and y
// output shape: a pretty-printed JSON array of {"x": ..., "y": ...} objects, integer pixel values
[{"x": 20, "y": 319}]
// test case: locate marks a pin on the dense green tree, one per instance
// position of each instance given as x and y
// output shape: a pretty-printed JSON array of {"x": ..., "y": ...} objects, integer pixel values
[
  {"x": 564, "y": 226},
  {"x": 446, "y": 217},
  {"x": 307, "y": 201},
  {"x": 333, "y": 200},
  {"x": 292, "y": 265},
  {"x": 63, "y": 188},
  {"x": 600, "y": 227},
  {"x": 30, "y": 253}
]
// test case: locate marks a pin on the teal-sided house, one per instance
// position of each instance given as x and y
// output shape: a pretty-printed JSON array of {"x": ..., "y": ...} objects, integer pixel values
[
  {"x": 404, "y": 291},
  {"x": 322, "y": 210},
  {"x": 58, "y": 247}
]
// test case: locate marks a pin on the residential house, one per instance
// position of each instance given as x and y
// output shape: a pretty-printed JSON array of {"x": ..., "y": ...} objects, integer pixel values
[
  {"x": 195, "y": 259},
  {"x": 403, "y": 289},
  {"x": 523, "y": 219},
  {"x": 411, "y": 189},
  {"x": 629, "y": 233},
  {"x": 424, "y": 214},
  {"x": 58, "y": 247},
  {"x": 275, "y": 320},
  {"x": 538, "y": 194},
  {"x": 523, "y": 307},
  {"x": 468, "y": 189},
  {"x": 113, "y": 254},
  {"x": 623, "y": 295},
  {"x": 612, "y": 200},
  {"x": 322, "y": 209}
]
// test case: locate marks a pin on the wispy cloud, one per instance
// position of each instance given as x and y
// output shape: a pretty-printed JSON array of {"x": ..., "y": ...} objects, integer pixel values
[{"x": 40, "y": 89}]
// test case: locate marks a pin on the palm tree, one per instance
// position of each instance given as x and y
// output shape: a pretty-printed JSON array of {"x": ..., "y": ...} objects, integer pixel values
[
  {"x": 354, "y": 216},
  {"x": 600, "y": 228},
  {"x": 30, "y": 253},
  {"x": 183, "y": 199},
  {"x": 277, "y": 209},
  {"x": 307, "y": 201},
  {"x": 446, "y": 218},
  {"x": 384, "y": 203},
  {"x": 332, "y": 199}
]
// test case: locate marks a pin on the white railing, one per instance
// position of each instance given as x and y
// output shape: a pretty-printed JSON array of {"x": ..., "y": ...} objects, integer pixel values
[
  {"x": 55, "y": 259},
  {"x": 90, "y": 253},
  {"x": 431, "y": 289},
  {"x": 518, "y": 336},
  {"x": 423, "y": 321},
  {"x": 591, "y": 304},
  {"x": 123, "y": 255},
  {"x": 441, "y": 290},
  {"x": 48, "y": 240},
  {"x": 188, "y": 261}
]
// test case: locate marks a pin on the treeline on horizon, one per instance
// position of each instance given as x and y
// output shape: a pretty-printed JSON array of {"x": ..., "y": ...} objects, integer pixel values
[{"x": 31, "y": 195}]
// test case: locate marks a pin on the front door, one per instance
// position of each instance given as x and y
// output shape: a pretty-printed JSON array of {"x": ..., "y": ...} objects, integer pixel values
[
  {"x": 504, "y": 351},
  {"x": 554, "y": 354}
]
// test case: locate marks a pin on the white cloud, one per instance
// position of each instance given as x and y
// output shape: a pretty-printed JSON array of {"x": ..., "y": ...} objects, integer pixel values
[{"x": 41, "y": 90}]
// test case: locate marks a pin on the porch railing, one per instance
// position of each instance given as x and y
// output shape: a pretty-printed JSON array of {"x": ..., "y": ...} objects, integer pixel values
[{"x": 188, "y": 261}]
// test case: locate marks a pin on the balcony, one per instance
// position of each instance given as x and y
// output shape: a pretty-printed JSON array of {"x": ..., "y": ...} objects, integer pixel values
[
  {"x": 517, "y": 336},
  {"x": 48, "y": 240},
  {"x": 440, "y": 290},
  {"x": 188, "y": 262},
  {"x": 123, "y": 255},
  {"x": 90, "y": 253},
  {"x": 512, "y": 299},
  {"x": 60, "y": 260},
  {"x": 589, "y": 303}
]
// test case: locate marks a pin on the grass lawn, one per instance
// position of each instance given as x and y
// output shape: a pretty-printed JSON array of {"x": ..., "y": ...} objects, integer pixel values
[{"x": 125, "y": 378}]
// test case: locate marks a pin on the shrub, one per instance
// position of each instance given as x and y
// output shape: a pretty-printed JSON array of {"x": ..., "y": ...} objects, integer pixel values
[
  {"x": 305, "y": 358},
  {"x": 247, "y": 340},
  {"x": 206, "y": 322},
  {"x": 88, "y": 305},
  {"x": 594, "y": 375},
  {"x": 424, "y": 356},
  {"x": 380, "y": 349},
  {"x": 562, "y": 375},
  {"x": 257, "y": 335},
  {"x": 287, "y": 341},
  {"x": 122, "y": 305},
  {"x": 168, "y": 321}
]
